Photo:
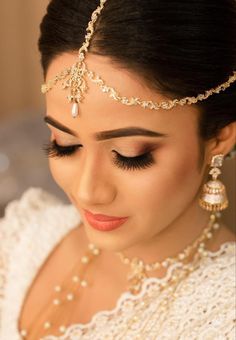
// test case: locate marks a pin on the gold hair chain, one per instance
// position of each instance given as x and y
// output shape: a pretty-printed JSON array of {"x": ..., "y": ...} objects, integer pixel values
[{"x": 78, "y": 85}]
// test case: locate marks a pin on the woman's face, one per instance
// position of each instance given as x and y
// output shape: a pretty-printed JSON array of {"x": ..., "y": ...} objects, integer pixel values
[{"x": 154, "y": 189}]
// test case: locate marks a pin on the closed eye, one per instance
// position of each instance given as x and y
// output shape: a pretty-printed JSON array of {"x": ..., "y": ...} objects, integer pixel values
[
  {"x": 146, "y": 160},
  {"x": 134, "y": 163},
  {"x": 53, "y": 149}
]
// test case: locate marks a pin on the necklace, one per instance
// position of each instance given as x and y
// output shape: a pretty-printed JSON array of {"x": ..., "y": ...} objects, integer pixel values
[
  {"x": 139, "y": 270},
  {"x": 68, "y": 291}
]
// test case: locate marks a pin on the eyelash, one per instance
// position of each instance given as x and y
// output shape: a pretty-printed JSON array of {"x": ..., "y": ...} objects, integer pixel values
[
  {"x": 134, "y": 163},
  {"x": 52, "y": 149}
]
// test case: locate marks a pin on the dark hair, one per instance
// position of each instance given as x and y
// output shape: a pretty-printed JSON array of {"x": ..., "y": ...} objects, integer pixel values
[{"x": 181, "y": 47}]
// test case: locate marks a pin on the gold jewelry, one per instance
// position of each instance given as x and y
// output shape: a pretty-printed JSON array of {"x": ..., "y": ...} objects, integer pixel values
[
  {"x": 76, "y": 82},
  {"x": 78, "y": 72},
  {"x": 214, "y": 196},
  {"x": 61, "y": 293},
  {"x": 139, "y": 270},
  {"x": 138, "y": 273}
]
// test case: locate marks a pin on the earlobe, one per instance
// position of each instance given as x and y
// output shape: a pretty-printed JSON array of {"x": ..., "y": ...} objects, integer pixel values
[{"x": 224, "y": 141}]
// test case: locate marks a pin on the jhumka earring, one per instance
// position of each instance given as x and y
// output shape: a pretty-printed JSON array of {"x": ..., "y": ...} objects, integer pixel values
[{"x": 214, "y": 196}]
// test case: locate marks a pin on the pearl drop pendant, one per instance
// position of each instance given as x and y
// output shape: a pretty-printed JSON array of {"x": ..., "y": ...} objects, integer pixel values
[{"x": 75, "y": 110}]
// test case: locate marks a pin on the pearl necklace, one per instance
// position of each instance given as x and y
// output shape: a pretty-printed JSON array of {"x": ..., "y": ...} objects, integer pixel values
[
  {"x": 139, "y": 269},
  {"x": 138, "y": 272}
]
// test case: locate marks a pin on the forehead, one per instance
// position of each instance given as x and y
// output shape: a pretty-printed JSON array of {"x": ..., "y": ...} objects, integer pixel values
[{"x": 98, "y": 110}]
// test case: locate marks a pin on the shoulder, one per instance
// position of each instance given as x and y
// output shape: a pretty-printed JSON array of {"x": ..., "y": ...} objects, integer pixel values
[
  {"x": 31, "y": 227},
  {"x": 33, "y": 199},
  {"x": 36, "y": 207},
  {"x": 34, "y": 202},
  {"x": 35, "y": 211},
  {"x": 16, "y": 219},
  {"x": 215, "y": 275},
  {"x": 19, "y": 212},
  {"x": 219, "y": 265}
]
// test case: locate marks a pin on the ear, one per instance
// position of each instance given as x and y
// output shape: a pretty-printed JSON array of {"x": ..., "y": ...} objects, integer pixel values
[{"x": 223, "y": 143}]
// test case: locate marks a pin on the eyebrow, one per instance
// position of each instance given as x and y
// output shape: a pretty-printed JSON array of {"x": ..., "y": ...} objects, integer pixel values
[{"x": 104, "y": 135}]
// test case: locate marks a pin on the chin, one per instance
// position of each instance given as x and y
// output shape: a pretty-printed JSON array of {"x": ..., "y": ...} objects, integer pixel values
[{"x": 108, "y": 240}]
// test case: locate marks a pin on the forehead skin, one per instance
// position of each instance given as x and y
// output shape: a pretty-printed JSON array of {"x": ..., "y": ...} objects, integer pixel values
[{"x": 98, "y": 112}]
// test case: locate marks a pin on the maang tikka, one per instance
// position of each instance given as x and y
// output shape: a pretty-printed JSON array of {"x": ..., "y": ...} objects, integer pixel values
[
  {"x": 78, "y": 74},
  {"x": 214, "y": 197}
]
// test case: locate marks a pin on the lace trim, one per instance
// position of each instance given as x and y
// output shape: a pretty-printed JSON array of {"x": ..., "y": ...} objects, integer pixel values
[
  {"x": 149, "y": 283},
  {"x": 12, "y": 226},
  {"x": 50, "y": 230}
]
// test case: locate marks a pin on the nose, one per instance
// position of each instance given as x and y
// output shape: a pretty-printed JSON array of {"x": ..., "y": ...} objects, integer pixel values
[{"x": 92, "y": 185}]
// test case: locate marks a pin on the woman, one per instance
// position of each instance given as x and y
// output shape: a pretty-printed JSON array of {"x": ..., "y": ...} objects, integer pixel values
[{"x": 141, "y": 253}]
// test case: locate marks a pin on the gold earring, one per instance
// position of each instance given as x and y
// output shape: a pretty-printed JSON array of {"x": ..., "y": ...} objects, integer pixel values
[{"x": 214, "y": 197}]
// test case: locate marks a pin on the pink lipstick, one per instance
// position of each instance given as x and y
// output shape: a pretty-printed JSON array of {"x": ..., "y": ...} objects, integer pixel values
[{"x": 104, "y": 222}]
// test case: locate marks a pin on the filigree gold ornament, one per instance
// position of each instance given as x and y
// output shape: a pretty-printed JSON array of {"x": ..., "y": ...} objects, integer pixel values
[
  {"x": 77, "y": 82},
  {"x": 214, "y": 197}
]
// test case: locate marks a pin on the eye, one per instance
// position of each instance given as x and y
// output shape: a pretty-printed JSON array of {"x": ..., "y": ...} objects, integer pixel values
[
  {"x": 52, "y": 149},
  {"x": 134, "y": 163}
]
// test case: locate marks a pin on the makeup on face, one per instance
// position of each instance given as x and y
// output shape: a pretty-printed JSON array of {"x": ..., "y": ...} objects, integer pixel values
[
  {"x": 133, "y": 148},
  {"x": 105, "y": 135},
  {"x": 127, "y": 153}
]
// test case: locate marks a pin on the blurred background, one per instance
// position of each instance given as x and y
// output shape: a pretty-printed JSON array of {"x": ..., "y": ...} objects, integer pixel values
[{"x": 22, "y": 131}]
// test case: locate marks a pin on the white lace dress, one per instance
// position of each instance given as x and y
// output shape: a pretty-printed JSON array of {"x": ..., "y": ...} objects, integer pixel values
[{"x": 204, "y": 309}]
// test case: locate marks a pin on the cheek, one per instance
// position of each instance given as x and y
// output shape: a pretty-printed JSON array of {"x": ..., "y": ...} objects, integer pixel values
[
  {"x": 171, "y": 184},
  {"x": 182, "y": 174},
  {"x": 179, "y": 174},
  {"x": 61, "y": 172},
  {"x": 179, "y": 183}
]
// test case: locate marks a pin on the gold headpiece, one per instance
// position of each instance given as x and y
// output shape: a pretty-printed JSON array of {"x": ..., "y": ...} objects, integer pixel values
[{"x": 77, "y": 84}]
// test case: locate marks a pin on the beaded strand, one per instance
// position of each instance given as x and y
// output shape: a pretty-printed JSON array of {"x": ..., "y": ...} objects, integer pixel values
[
  {"x": 140, "y": 269},
  {"x": 139, "y": 272},
  {"x": 77, "y": 280}
]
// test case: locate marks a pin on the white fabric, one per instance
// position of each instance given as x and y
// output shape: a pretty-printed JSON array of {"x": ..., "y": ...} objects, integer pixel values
[{"x": 204, "y": 309}]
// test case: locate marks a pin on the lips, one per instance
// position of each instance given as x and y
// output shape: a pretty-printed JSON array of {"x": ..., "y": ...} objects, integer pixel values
[{"x": 104, "y": 222}]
